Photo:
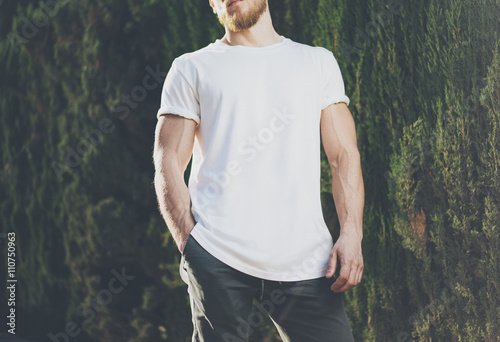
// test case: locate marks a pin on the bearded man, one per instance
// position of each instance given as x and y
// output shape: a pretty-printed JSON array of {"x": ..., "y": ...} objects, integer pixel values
[{"x": 253, "y": 108}]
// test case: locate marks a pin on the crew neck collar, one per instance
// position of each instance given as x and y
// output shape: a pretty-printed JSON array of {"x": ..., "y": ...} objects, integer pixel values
[{"x": 273, "y": 46}]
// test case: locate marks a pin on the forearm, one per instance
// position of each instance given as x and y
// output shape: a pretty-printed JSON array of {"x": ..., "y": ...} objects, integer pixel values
[
  {"x": 348, "y": 192},
  {"x": 174, "y": 200}
]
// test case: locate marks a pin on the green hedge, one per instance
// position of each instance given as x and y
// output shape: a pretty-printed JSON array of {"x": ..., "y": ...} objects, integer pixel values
[{"x": 76, "y": 167}]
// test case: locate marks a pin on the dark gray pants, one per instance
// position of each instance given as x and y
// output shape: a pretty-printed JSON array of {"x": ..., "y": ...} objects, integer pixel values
[{"x": 221, "y": 303}]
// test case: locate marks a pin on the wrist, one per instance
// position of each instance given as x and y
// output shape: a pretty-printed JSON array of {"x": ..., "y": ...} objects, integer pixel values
[{"x": 351, "y": 231}]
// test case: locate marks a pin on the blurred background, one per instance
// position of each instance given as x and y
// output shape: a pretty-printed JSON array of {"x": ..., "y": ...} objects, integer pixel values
[{"x": 94, "y": 259}]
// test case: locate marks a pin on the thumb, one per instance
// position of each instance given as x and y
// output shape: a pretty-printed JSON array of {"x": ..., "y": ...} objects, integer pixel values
[{"x": 332, "y": 264}]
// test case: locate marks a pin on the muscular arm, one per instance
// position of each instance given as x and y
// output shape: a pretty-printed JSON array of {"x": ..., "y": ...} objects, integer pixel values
[
  {"x": 173, "y": 146},
  {"x": 339, "y": 141}
]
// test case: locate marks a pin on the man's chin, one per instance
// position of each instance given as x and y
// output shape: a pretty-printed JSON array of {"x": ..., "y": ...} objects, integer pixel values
[
  {"x": 238, "y": 19},
  {"x": 234, "y": 26}
]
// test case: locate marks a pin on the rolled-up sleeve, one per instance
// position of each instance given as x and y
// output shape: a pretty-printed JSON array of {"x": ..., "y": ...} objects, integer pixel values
[
  {"x": 333, "y": 83},
  {"x": 178, "y": 95}
]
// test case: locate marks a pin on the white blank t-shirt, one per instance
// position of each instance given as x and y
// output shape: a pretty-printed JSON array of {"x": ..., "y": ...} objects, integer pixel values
[{"x": 255, "y": 175}]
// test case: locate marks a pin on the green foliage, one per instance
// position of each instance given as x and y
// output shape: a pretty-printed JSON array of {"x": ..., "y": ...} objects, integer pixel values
[
  {"x": 76, "y": 169},
  {"x": 444, "y": 174}
]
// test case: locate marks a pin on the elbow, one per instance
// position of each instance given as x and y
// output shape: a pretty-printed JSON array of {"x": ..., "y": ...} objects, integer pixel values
[
  {"x": 158, "y": 158},
  {"x": 161, "y": 159},
  {"x": 347, "y": 156},
  {"x": 166, "y": 164}
]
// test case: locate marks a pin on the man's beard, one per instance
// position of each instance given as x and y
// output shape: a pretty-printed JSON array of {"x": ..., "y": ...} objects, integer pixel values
[{"x": 236, "y": 21}]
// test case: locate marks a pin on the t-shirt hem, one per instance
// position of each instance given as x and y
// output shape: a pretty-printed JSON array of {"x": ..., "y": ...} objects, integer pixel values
[
  {"x": 333, "y": 100},
  {"x": 178, "y": 111},
  {"x": 231, "y": 262}
]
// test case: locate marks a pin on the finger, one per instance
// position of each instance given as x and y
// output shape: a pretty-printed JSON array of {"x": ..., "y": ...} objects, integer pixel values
[
  {"x": 332, "y": 264},
  {"x": 345, "y": 271},
  {"x": 360, "y": 273},
  {"x": 351, "y": 282}
]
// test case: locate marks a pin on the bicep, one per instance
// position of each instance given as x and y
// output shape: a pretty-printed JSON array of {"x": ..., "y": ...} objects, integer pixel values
[
  {"x": 174, "y": 140},
  {"x": 338, "y": 132}
]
